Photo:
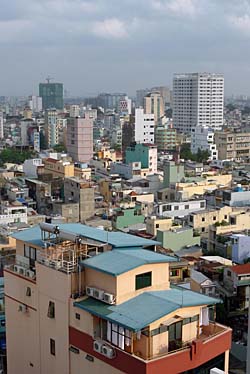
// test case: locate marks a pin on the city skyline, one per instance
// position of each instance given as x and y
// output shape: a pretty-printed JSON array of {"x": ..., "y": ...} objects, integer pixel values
[{"x": 107, "y": 46}]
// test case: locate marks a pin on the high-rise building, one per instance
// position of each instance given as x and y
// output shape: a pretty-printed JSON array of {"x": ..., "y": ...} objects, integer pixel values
[
  {"x": 51, "y": 127},
  {"x": 153, "y": 104},
  {"x": 35, "y": 104},
  {"x": 144, "y": 127},
  {"x": 165, "y": 137},
  {"x": 74, "y": 111},
  {"x": 1, "y": 126},
  {"x": 198, "y": 100},
  {"x": 80, "y": 139},
  {"x": 52, "y": 95}
]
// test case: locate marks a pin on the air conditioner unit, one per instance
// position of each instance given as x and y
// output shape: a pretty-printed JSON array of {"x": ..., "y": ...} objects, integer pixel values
[
  {"x": 97, "y": 346},
  {"x": 98, "y": 294},
  {"x": 108, "y": 351},
  {"x": 89, "y": 291},
  {"x": 21, "y": 270},
  {"x": 30, "y": 273},
  {"x": 108, "y": 298},
  {"x": 16, "y": 268}
]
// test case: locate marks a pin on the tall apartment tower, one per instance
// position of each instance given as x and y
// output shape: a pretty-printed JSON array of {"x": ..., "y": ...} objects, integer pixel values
[
  {"x": 144, "y": 127},
  {"x": 80, "y": 139},
  {"x": 154, "y": 104},
  {"x": 51, "y": 127},
  {"x": 1, "y": 126},
  {"x": 198, "y": 100},
  {"x": 52, "y": 95}
]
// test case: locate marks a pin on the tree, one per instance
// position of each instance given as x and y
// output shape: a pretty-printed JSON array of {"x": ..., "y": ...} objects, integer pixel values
[
  {"x": 60, "y": 148},
  {"x": 15, "y": 156}
]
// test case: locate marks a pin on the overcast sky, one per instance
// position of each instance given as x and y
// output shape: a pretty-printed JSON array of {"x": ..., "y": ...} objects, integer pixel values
[{"x": 121, "y": 45}]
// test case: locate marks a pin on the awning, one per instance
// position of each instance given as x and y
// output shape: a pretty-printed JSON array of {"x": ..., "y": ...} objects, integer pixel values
[{"x": 170, "y": 321}]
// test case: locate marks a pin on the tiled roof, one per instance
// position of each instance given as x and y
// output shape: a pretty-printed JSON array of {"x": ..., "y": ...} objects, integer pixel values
[
  {"x": 115, "y": 239},
  {"x": 241, "y": 269},
  {"x": 135, "y": 314},
  {"x": 120, "y": 261}
]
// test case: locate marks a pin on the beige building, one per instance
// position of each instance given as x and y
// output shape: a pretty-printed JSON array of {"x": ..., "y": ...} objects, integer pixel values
[
  {"x": 112, "y": 313},
  {"x": 239, "y": 220},
  {"x": 58, "y": 168},
  {"x": 201, "y": 220},
  {"x": 153, "y": 224},
  {"x": 232, "y": 145},
  {"x": 154, "y": 104}
]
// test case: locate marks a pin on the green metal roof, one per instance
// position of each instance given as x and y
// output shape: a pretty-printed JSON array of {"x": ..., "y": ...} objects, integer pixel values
[
  {"x": 120, "y": 261},
  {"x": 116, "y": 239},
  {"x": 137, "y": 313}
]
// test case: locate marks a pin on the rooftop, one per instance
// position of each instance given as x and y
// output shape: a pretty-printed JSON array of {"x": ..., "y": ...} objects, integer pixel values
[
  {"x": 115, "y": 239},
  {"x": 241, "y": 269},
  {"x": 135, "y": 314},
  {"x": 120, "y": 261}
]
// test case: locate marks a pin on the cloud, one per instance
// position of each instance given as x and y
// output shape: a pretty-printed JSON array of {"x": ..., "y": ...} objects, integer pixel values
[
  {"x": 110, "y": 28},
  {"x": 241, "y": 23},
  {"x": 177, "y": 7}
]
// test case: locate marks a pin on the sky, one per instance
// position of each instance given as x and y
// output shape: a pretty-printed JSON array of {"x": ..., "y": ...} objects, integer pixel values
[{"x": 97, "y": 46}]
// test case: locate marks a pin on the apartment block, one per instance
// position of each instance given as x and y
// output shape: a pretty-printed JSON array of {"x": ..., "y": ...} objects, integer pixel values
[
  {"x": 180, "y": 209},
  {"x": 233, "y": 146},
  {"x": 86, "y": 304},
  {"x": 165, "y": 137},
  {"x": 198, "y": 100},
  {"x": 200, "y": 221},
  {"x": 202, "y": 137},
  {"x": 144, "y": 153},
  {"x": 80, "y": 139},
  {"x": 79, "y": 191},
  {"x": 144, "y": 127},
  {"x": 154, "y": 104}
]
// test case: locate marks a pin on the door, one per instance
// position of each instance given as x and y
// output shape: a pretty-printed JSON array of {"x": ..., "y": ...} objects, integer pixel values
[{"x": 175, "y": 336}]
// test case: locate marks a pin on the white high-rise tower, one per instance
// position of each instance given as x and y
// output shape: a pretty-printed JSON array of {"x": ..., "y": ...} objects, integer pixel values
[{"x": 198, "y": 100}]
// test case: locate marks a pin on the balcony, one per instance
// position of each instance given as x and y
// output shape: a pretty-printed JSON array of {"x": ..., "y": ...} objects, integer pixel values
[{"x": 140, "y": 357}]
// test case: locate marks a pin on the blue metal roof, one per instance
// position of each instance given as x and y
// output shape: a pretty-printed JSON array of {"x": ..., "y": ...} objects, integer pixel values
[
  {"x": 139, "y": 312},
  {"x": 120, "y": 261},
  {"x": 116, "y": 239}
]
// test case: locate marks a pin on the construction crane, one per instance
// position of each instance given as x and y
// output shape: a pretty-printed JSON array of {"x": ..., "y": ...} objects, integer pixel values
[{"x": 48, "y": 79}]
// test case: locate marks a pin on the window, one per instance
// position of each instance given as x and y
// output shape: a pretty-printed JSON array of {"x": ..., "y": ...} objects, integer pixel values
[
  {"x": 52, "y": 347},
  {"x": 176, "y": 207},
  {"x": 202, "y": 204},
  {"x": 203, "y": 229},
  {"x": 28, "y": 291},
  {"x": 214, "y": 218},
  {"x": 51, "y": 310},
  {"x": 157, "y": 226},
  {"x": 143, "y": 280},
  {"x": 174, "y": 272},
  {"x": 229, "y": 273},
  {"x": 186, "y": 206},
  {"x": 225, "y": 216},
  {"x": 203, "y": 219},
  {"x": 78, "y": 316},
  {"x": 118, "y": 335}
]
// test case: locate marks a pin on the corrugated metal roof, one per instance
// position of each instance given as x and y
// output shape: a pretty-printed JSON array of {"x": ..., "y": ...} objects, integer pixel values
[
  {"x": 120, "y": 261},
  {"x": 116, "y": 239},
  {"x": 137, "y": 313}
]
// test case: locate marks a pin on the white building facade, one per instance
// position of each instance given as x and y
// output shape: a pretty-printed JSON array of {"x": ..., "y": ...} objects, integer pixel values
[
  {"x": 202, "y": 137},
  {"x": 198, "y": 100},
  {"x": 1, "y": 126},
  {"x": 144, "y": 127},
  {"x": 180, "y": 209}
]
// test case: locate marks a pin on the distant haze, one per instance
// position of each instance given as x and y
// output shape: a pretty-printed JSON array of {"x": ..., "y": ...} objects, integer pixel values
[{"x": 110, "y": 45}]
